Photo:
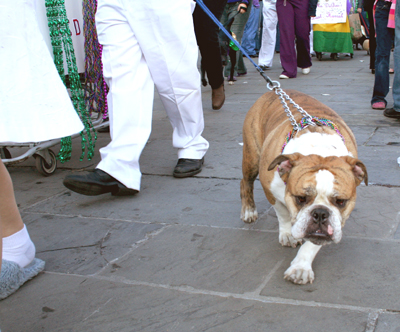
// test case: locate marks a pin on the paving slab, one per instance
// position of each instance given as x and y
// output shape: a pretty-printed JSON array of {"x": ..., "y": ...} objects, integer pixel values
[
  {"x": 83, "y": 246},
  {"x": 203, "y": 258},
  {"x": 381, "y": 163},
  {"x": 87, "y": 304},
  {"x": 388, "y": 322},
  {"x": 355, "y": 272},
  {"x": 386, "y": 136}
]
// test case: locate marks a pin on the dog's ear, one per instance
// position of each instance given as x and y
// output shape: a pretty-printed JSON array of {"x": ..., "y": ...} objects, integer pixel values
[
  {"x": 359, "y": 169},
  {"x": 285, "y": 162}
]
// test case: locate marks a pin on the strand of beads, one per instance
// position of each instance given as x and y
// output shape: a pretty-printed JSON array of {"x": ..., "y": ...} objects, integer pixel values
[
  {"x": 61, "y": 42},
  {"x": 95, "y": 85}
]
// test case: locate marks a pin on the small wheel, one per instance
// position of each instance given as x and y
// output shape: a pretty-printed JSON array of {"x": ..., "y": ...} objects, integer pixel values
[
  {"x": 4, "y": 153},
  {"x": 43, "y": 167},
  {"x": 334, "y": 56},
  {"x": 319, "y": 55},
  {"x": 351, "y": 55}
]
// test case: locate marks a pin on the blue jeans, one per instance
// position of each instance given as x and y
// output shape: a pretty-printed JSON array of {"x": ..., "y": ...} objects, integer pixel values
[
  {"x": 384, "y": 39},
  {"x": 396, "y": 57},
  {"x": 237, "y": 28},
  {"x": 250, "y": 31}
]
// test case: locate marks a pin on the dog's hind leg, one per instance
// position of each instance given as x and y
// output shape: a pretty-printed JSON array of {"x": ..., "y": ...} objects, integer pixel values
[{"x": 250, "y": 164}]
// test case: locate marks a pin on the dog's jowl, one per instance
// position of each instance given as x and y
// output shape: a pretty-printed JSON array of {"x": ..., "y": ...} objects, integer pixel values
[{"x": 309, "y": 176}]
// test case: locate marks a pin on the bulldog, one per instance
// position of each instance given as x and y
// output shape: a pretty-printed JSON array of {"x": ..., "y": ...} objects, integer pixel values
[{"x": 309, "y": 178}]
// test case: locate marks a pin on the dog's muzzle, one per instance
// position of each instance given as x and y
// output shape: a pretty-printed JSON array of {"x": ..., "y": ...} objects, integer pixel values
[{"x": 319, "y": 228}]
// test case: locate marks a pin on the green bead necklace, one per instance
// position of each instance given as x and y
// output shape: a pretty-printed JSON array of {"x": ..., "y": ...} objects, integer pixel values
[{"x": 60, "y": 36}]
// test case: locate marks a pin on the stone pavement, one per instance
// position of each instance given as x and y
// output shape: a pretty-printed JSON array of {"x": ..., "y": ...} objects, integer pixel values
[{"x": 177, "y": 257}]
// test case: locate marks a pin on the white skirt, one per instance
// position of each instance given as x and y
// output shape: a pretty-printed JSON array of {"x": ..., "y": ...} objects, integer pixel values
[{"x": 34, "y": 103}]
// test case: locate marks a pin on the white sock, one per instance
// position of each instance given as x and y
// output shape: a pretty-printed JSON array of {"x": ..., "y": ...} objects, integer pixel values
[{"x": 19, "y": 248}]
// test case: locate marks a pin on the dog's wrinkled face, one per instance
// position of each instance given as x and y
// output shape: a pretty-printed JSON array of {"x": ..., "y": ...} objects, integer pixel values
[{"x": 320, "y": 194}]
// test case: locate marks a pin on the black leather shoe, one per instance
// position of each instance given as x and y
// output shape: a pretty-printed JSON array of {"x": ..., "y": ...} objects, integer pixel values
[
  {"x": 188, "y": 167},
  {"x": 96, "y": 182},
  {"x": 391, "y": 113}
]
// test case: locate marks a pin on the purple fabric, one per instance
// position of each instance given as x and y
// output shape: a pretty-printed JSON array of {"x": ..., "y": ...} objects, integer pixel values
[
  {"x": 256, "y": 3},
  {"x": 294, "y": 25}
]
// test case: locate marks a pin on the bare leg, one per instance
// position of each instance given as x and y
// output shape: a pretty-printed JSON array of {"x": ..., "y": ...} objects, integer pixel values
[
  {"x": 16, "y": 243},
  {"x": 17, "y": 252},
  {"x": 10, "y": 219}
]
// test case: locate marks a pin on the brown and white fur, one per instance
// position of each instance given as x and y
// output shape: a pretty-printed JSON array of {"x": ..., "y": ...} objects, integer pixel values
[{"x": 311, "y": 184}]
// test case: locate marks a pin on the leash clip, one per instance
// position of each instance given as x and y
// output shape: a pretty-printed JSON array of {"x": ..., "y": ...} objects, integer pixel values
[{"x": 271, "y": 85}]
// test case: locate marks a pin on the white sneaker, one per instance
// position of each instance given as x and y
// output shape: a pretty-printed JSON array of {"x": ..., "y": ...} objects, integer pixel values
[
  {"x": 306, "y": 71},
  {"x": 282, "y": 76}
]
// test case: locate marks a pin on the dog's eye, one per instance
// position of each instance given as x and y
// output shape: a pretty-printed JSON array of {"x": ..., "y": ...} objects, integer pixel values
[
  {"x": 301, "y": 200},
  {"x": 340, "y": 202}
]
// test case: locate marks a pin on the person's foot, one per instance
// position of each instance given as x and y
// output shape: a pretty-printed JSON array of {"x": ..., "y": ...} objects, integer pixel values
[
  {"x": 283, "y": 76},
  {"x": 391, "y": 113},
  {"x": 218, "y": 97},
  {"x": 13, "y": 276},
  {"x": 188, "y": 167},
  {"x": 306, "y": 71},
  {"x": 391, "y": 71},
  {"x": 379, "y": 105},
  {"x": 372, "y": 71},
  {"x": 263, "y": 67},
  {"x": 242, "y": 74},
  {"x": 231, "y": 79},
  {"x": 96, "y": 182}
]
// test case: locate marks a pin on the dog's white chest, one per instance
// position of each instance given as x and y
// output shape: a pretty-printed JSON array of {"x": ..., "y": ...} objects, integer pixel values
[{"x": 316, "y": 143}]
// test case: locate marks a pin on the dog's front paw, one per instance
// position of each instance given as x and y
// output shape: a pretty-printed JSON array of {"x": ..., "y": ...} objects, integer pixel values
[
  {"x": 287, "y": 240},
  {"x": 300, "y": 274},
  {"x": 249, "y": 215}
]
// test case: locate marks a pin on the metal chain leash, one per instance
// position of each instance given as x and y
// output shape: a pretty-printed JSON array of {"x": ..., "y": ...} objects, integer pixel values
[{"x": 275, "y": 86}]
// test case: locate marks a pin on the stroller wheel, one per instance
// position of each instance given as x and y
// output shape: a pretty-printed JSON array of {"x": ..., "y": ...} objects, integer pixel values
[
  {"x": 334, "y": 56},
  {"x": 46, "y": 167}
]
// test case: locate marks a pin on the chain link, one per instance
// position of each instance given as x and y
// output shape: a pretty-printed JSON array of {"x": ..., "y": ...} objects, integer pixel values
[{"x": 275, "y": 86}]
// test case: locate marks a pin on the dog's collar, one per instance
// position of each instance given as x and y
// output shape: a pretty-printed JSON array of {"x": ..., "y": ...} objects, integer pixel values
[{"x": 305, "y": 122}]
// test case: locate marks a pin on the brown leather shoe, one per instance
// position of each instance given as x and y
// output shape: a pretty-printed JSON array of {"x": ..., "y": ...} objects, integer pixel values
[
  {"x": 391, "y": 113},
  {"x": 218, "y": 97}
]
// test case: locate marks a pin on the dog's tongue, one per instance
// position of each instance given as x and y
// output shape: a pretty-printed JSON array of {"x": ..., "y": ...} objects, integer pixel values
[{"x": 330, "y": 230}]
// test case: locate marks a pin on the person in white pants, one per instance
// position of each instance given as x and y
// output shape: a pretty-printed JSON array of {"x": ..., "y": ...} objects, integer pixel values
[
  {"x": 270, "y": 20},
  {"x": 146, "y": 43}
]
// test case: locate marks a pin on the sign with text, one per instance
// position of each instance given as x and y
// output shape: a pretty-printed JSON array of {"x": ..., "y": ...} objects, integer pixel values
[{"x": 330, "y": 11}]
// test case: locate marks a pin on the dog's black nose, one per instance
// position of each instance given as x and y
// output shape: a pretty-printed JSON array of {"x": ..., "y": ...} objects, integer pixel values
[{"x": 320, "y": 215}]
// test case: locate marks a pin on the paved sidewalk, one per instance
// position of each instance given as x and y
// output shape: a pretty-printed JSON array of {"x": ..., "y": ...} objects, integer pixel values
[{"x": 177, "y": 257}]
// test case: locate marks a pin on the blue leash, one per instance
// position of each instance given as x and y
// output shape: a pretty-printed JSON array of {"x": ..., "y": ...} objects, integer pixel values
[{"x": 211, "y": 15}]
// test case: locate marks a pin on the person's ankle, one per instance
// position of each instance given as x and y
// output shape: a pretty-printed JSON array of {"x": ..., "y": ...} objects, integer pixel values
[{"x": 19, "y": 248}]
